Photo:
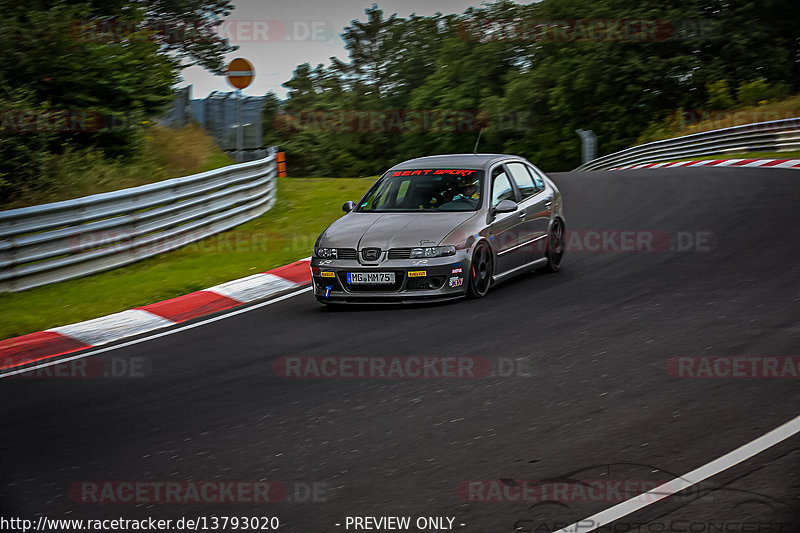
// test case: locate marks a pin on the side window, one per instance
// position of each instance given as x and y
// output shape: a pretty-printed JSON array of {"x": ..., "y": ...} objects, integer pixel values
[
  {"x": 380, "y": 197},
  {"x": 537, "y": 177},
  {"x": 501, "y": 186},
  {"x": 525, "y": 183}
]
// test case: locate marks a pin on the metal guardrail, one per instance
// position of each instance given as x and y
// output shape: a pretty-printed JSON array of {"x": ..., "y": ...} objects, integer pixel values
[
  {"x": 53, "y": 242},
  {"x": 250, "y": 154},
  {"x": 776, "y": 135}
]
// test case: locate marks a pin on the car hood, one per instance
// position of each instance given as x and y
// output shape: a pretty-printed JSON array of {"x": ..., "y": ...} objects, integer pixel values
[{"x": 392, "y": 230}]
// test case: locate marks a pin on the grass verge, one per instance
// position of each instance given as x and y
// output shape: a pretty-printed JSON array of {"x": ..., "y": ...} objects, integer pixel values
[{"x": 304, "y": 207}]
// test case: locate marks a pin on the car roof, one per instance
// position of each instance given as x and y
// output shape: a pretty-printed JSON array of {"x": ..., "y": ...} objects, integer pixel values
[{"x": 477, "y": 161}]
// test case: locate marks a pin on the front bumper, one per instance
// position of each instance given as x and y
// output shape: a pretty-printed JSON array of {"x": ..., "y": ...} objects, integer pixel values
[{"x": 416, "y": 280}]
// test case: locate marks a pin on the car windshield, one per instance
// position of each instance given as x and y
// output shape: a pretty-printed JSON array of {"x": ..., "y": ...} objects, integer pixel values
[{"x": 442, "y": 189}]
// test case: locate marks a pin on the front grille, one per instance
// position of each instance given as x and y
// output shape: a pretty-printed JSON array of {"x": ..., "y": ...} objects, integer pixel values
[
  {"x": 346, "y": 253},
  {"x": 398, "y": 282},
  {"x": 370, "y": 254},
  {"x": 424, "y": 284},
  {"x": 400, "y": 253}
]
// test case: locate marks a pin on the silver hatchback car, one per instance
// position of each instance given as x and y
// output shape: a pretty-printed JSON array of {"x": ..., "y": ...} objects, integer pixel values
[{"x": 441, "y": 227}]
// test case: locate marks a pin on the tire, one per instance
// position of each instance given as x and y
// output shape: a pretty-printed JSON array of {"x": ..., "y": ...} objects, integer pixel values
[
  {"x": 481, "y": 269},
  {"x": 555, "y": 248}
]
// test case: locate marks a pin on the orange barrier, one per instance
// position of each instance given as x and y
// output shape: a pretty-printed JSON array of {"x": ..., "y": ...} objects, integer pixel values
[{"x": 281, "y": 160}]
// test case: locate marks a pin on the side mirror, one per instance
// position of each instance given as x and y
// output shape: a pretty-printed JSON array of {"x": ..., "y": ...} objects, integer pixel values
[
  {"x": 506, "y": 206},
  {"x": 348, "y": 206}
]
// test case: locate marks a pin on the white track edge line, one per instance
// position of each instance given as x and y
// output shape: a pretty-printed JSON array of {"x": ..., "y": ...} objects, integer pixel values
[
  {"x": 733, "y": 458},
  {"x": 155, "y": 335}
]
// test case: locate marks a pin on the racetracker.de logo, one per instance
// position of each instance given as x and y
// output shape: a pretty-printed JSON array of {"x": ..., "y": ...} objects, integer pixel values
[
  {"x": 191, "y": 241},
  {"x": 587, "y": 30},
  {"x": 749, "y": 119},
  {"x": 177, "y": 492},
  {"x": 90, "y": 367},
  {"x": 235, "y": 31},
  {"x": 402, "y": 121},
  {"x": 734, "y": 367},
  {"x": 386, "y": 367},
  {"x": 51, "y": 121},
  {"x": 618, "y": 241},
  {"x": 564, "y": 491},
  {"x": 275, "y": 31}
]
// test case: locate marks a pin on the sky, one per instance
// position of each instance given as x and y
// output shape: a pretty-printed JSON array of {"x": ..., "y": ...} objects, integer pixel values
[{"x": 278, "y": 35}]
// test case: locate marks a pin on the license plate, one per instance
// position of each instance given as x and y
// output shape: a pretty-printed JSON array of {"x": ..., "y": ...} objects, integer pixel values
[{"x": 370, "y": 278}]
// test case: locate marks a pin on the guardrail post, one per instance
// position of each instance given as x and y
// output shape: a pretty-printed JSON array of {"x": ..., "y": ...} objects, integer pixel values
[
  {"x": 588, "y": 145},
  {"x": 239, "y": 127}
]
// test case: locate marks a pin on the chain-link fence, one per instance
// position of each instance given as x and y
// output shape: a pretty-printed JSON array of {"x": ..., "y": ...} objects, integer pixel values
[{"x": 218, "y": 114}]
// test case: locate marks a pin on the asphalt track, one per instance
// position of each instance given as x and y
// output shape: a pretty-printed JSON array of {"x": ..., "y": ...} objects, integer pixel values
[{"x": 598, "y": 402}]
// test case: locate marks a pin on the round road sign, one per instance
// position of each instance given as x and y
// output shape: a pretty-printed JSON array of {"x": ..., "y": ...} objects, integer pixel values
[{"x": 240, "y": 73}]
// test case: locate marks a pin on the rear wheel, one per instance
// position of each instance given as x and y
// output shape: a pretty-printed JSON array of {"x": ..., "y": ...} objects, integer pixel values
[
  {"x": 555, "y": 248},
  {"x": 480, "y": 271}
]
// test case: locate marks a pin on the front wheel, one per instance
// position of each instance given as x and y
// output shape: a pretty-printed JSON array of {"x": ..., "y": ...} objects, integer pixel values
[
  {"x": 555, "y": 248},
  {"x": 480, "y": 270}
]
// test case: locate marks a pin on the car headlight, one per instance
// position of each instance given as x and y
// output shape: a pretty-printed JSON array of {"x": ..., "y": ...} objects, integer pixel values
[
  {"x": 433, "y": 251},
  {"x": 325, "y": 253}
]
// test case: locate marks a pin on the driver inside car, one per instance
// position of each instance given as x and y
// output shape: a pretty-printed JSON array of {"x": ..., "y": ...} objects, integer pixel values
[{"x": 466, "y": 194}]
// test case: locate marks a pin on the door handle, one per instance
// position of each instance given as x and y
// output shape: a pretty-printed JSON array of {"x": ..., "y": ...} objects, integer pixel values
[{"x": 522, "y": 215}]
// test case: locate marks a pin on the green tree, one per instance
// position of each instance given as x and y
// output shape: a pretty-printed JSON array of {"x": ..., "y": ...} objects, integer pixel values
[
  {"x": 753, "y": 92},
  {"x": 533, "y": 89},
  {"x": 108, "y": 83}
]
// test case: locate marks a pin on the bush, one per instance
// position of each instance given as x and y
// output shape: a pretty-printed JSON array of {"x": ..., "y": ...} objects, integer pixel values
[
  {"x": 42, "y": 176},
  {"x": 759, "y": 91},
  {"x": 719, "y": 95},
  {"x": 24, "y": 150}
]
